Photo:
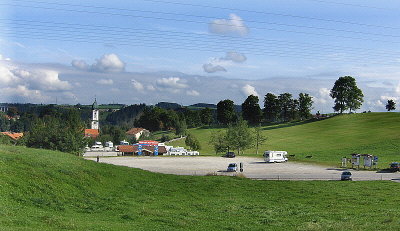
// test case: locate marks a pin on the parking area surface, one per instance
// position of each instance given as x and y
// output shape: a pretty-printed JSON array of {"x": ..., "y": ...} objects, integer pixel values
[{"x": 254, "y": 168}]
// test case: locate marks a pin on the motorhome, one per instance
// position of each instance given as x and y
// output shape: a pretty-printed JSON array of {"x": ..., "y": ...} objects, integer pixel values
[{"x": 275, "y": 156}]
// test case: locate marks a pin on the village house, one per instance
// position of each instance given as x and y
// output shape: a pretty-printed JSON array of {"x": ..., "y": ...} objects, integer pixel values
[
  {"x": 137, "y": 133},
  {"x": 13, "y": 135}
]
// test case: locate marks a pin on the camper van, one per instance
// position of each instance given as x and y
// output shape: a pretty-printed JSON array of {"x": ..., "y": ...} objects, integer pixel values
[{"x": 275, "y": 156}]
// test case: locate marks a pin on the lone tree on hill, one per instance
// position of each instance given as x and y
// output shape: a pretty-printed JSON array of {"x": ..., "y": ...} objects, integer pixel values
[
  {"x": 346, "y": 94},
  {"x": 192, "y": 142},
  {"x": 239, "y": 136},
  {"x": 226, "y": 112},
  {"x": 391, "y": 105},
  {"x": 251, "y": 110}
]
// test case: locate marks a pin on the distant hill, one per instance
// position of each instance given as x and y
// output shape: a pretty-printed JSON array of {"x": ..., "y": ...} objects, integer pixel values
[
  {"x": 204, "y": 105},
  {"x": 167, "y": 105}
]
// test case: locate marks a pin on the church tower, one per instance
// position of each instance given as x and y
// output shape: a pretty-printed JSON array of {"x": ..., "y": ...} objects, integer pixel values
[{"x": 95, "y": 115}]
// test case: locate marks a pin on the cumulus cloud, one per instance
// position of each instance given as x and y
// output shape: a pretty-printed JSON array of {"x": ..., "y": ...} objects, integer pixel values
[
  {"x": 137, "y": 85},
  {"x": 107, "y": 63},
  {"x": 192, "y": 93},
  {"x": 22, "y": 94},
  {"x": 105, "y": 81},
  {"x": 249, "y": 90},
  {"x": 233, "y": 25},
  {"x": 220, "y": 64},
  {"x": 151, "y": 88},
  {"x": 171, "y": 82},
  {"x": 211, "y": 68},
  {"x": 80, "y": 64},
  {"x": 235, "y": 57}
]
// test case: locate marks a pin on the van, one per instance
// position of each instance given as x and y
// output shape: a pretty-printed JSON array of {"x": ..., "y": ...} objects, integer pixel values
[{"x": 275, "y": 156}]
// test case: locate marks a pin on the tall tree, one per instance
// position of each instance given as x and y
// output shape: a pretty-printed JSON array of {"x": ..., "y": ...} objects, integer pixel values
[
  {"x": 206, "y": 116},
  {"x": 192, "y": 142},
  {"x": 226, "y": 112},
  {"x": 259, "y": 138},
  {"x": 219, "y": 141},
  {"x": 270, "y": 107},
  {"x": 346, "y": 94},
  {"x": 285, "y": 105},
  {"x": 181, "y": 128},
  {"x": 251, "y": 110},
  {"x": 305, "y": 105},
  {"x": 239, "y": 136},
  {"x": 391, "y": 105}
]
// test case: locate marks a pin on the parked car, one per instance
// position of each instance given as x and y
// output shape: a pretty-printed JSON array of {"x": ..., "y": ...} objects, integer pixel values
[
  {"x": 346, "y": 176},
  {"x": 394, "y": 166},
  {"x": 232, "y": 167},
  {"x": 230, "y": 155}
]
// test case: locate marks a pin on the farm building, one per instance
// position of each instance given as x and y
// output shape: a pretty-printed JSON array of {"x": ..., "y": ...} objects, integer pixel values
[{"x": 137, "y": 133}]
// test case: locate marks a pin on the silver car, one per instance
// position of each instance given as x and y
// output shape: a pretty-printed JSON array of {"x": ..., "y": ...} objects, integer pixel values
[{"x": 232, "y": 167}]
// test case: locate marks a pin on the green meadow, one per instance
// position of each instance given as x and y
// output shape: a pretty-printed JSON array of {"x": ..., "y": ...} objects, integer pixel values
[
  {"x": 328, "y": 140},
  {"x": 48, "y": 190}
]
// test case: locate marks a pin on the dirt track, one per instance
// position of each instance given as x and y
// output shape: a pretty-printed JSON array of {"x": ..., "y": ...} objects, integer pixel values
[{"x": 254, "y": 168}]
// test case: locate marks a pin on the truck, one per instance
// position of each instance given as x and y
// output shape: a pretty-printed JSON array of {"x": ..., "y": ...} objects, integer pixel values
[{"x": 275, "y": 156}]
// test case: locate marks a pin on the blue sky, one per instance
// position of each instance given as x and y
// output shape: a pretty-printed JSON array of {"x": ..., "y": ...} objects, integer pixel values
[{"x": 196, "y": 51}]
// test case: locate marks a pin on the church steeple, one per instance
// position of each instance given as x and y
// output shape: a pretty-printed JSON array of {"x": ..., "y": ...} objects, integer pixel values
[{"x": 95, "y": 115}]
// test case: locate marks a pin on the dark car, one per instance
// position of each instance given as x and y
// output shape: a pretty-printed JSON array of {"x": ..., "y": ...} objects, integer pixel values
[
  {"x": 346, "y": 176},
  {"x": 394, "y": 167},
  {"x": 230, "y": 155}
]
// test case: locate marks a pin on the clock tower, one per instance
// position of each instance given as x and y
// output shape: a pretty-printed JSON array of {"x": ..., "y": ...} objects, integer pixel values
[{"x": 95, "y": 115}]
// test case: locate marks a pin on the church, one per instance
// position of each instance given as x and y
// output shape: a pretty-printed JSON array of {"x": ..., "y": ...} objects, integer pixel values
[{"x": 94, "y": 131}]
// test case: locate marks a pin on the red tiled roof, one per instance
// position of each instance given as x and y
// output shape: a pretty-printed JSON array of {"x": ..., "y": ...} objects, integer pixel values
[
  {"x": 134, "y": 131},
  {"x": 92, "y": 133},
  {"x": 127, "y": 148},
  {"x": 12, "y": 135}
]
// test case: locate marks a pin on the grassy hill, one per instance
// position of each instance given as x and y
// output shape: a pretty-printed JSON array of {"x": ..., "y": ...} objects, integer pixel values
[
  {"x": 46, "y": 190},
  {"x": 328, "y": 140}
]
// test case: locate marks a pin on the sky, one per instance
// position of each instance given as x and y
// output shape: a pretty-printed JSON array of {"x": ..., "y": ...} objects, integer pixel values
[{"x": 148, "y": 51}]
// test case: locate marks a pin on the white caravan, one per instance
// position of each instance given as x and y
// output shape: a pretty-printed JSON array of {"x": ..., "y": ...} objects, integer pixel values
[{"x": 275, "y": 156}]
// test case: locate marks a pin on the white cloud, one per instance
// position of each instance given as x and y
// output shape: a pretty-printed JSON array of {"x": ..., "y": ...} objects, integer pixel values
[
  {"x": 45, "y": 80},
  {"x": 6, "y": 76},
  {"x": 137, "y": 85},
  {"x": 249, "y": 90},
  {"x": 105, "y": 81},
  {"x": 235, "y": 57},
  {"x": 80, "y": 64},
  {"x": 211, "y": 68},
  {"x": 233, "y": 25},
  {"x": 171, "y": 82},
  {"x": 2, "y": 58},
  {"x": 397, "y": 89},
  {"x": 220, "y": 64},
  {"x": 22, "y": 94},
  {"x": 151, "y": 88},
  {"x": 107, "y": 63},
  {"x": 192, "y": 93}
]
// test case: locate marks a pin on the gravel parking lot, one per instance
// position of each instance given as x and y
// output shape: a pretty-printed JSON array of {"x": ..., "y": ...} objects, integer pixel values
[{"x": 254, "y": 168}]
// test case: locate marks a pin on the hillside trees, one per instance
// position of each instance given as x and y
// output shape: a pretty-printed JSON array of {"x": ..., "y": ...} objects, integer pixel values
[
  {"x": 64, "y": 132},
  {"x": 305, "y": 106},
  {"x": 226, "y": 112},
  {"x": 206, "y": 116},
  {"x": 271, "y": 108},
  {"x": 251, "y": 110},
  {"x": 390, "y": 105},
  {"x": 346, "y": 94}
]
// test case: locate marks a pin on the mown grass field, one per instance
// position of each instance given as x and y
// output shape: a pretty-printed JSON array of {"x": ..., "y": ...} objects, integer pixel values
[
  {"x": 46, "y": 190},
  {"x": 327, "y": 141}
]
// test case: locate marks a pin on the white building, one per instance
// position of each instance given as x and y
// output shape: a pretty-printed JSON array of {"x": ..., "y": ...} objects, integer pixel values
[{"x": 95, "y": 116}]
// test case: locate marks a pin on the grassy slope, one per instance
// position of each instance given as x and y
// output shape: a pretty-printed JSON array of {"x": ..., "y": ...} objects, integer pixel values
[
  {"x": 329, "y": 140},
  {"x": 45, "y": 190}
]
